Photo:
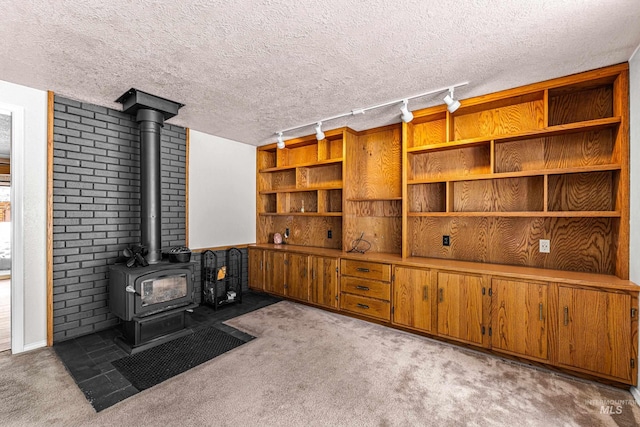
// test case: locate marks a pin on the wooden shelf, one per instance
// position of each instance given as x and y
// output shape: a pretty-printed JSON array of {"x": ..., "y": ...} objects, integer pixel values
[
  {"x": 528, "y": 214},
  {"x": 302, "y": 165},
  {"x": 519, "y": 174},
  {"x": 299, "y": 190},
  {"x": 585, "y": 126},
  {"x": 382, "y": 199},
  {"x": 309, "y": 214}
]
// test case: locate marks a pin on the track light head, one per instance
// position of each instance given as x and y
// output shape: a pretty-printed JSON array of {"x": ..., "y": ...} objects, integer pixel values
[
  {"x": 407, "y": 115},
  {"x": 280, "y": 143},
  {"x": 319, "y": 133},
  {"x": 452, "y": 103}
]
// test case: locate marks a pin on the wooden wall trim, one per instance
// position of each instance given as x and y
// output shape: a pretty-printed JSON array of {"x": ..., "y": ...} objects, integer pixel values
[
  {"x": 186, "y": 193},
  {"x": 50, "y": 101}
]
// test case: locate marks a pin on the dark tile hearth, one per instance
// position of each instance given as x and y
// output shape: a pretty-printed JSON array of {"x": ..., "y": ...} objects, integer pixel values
[{"x": 89, "y": 358}]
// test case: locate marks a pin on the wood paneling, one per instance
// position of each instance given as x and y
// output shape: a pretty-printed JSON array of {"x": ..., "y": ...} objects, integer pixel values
[
  {"x": 413, "y": 296},
  {"x": 297, "y": 155},
  {"x": 450, "y": 163},
  {"x": 384, "y": 234},
  {"x": 305, "y": 230},
  {"x": 568, "y": 106},
  {"x": 460, "y": 307},
  {"x": 374, "y": 165},
  {"x": 581, "y": 192},
  {"x": 503, "y": 120},
  {"x": 519, "y": 317},
  {"x": 429, "y": 132},
  {"x": 427, "y": 197},
  {"x": 503, "y": 195},
  {"x": 594, "y": 331}
]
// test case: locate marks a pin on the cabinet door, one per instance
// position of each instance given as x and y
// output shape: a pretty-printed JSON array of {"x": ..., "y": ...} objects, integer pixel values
[
  {"x": 274, "y": 272},
  {"x": 460, "y": 307},
  {"x": 412, "y": 299},
  {"x": 519, "y": 317},
  {"x": 324, "y": 281},
  {"x": 594, "y": 331},
  {"x": 297, "y": 282},
  {"x": 256, "y": 269}
]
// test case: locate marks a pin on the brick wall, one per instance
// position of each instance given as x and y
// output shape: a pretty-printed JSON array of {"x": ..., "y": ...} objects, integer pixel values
[{"x": 96, "y": 207}]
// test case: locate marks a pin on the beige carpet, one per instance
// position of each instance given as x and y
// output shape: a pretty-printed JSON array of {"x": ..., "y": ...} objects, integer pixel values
[{"x": 309, "y": 367}]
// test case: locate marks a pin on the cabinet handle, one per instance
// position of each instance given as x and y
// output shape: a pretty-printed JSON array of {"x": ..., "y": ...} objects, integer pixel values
[
  {"x": 441, "y": 295},
  {"x": 362, "y": 288},
  {"x": 364, "y": 270},
  {"x": 541, "y": 311},
  {"x": 566, "y": 315},
  {"x": 363, "y": 306},
  {"x": 425, "y": 293},
  {"x": 260, "y": 265}
]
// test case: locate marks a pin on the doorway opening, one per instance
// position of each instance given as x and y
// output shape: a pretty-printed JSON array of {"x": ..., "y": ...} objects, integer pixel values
[{"x": 5, "y": 230}]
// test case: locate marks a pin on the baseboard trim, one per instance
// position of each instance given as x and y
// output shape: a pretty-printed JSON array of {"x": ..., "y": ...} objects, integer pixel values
[
  {"x": 35, "y": 345},
  {"x": 636, "y": 394}
]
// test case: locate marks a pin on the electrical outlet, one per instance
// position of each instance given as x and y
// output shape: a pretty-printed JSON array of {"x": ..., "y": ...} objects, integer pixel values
[
  {"x": 329, "y": 234},
  {"x": 545, "y": 246},
  {"x": 446, "y": 241}
]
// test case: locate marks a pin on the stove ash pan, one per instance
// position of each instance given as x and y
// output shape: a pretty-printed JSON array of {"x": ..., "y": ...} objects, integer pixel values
[{"x": 136, "y": 293}]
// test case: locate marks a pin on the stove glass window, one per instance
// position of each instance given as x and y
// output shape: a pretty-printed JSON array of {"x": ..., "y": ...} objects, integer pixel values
[{"x": 163, "y": 289}]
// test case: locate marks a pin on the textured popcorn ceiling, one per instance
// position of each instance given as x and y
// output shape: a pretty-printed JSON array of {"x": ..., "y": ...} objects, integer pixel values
[{"x": 246, "y": 69}]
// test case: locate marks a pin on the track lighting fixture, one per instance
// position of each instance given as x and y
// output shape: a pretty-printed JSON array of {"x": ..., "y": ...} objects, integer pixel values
[
  {"x": 406, "y": 116},
  {"x": 319, "y": 133},
  {"x": 452, "y": 103},
  {"x": 280, "y": 143}
]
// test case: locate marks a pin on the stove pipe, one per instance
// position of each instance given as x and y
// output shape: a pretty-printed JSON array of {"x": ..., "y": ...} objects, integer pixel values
[
  {"x": 151, "y": 111},
  {"x": 150, "y": 199}
]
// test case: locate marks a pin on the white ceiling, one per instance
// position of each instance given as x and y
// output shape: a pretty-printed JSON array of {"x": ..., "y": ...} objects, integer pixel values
[{"x": 246, "y": 69}]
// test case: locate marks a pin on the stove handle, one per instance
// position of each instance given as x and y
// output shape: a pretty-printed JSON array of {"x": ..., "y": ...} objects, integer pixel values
[{"x": 132, "y": 290}]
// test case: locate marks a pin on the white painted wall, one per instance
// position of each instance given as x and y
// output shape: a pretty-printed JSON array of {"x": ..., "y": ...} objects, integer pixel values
[
  {"x": 222, "y": 192},
  {"x": 34, "y": 200}
]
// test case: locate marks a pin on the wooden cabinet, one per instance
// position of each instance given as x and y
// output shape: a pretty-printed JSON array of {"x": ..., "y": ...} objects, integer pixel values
[
  {"x": 256, "y": 269},
  {"x": 461, "y": 299},
  {"x": 365, "y": 288},
  {"x": 297, "y": 276},
  {"x": 594, "y": 332},
  {"x": 324, "y": 281},
  {"x": 274, "y": 278},
  {"x": 413, "y": 296},
  {"x": 519, "y": 317}
]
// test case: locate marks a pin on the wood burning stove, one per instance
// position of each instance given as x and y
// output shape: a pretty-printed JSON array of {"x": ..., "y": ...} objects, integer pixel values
[{"x": 152, "y": 302}]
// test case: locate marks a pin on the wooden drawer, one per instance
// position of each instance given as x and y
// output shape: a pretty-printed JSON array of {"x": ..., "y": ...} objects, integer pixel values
[
  {"x": 366, "y": 270},
  {"x": 366, "y": 306},
  {"x": 367, "y": 288}
]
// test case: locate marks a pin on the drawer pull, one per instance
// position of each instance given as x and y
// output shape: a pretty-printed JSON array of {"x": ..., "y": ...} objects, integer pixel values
[
  {"x": 566, "y": 315},
  {"x": 541, "y": 312},
  {"x": 362, "y": 269},
  {"x": 362, "y": 288},
  {"x": 441, "y": 294},
  {"x": 366, "y": 307}
]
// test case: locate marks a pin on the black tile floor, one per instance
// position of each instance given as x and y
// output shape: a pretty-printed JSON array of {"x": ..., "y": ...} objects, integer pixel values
[{"x": 88, "y": 358}]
